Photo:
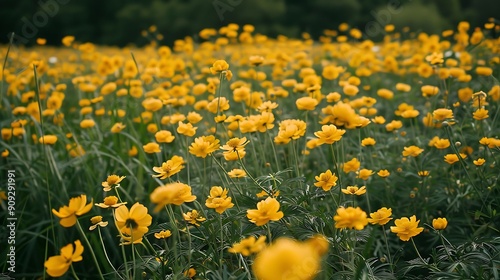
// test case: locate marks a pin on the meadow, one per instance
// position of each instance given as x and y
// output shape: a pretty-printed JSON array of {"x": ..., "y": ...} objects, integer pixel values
[{"x": 234, "y": 155}]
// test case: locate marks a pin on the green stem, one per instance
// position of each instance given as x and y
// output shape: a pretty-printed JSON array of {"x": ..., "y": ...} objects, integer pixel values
[
  {"x": 73, "y": 272},
  {"x": 418, "y": 253},
  {"x": 90, "y": 248}
]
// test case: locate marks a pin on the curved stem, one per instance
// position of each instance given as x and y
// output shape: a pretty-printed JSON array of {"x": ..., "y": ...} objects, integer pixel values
[{"x": 90, "y": 248}]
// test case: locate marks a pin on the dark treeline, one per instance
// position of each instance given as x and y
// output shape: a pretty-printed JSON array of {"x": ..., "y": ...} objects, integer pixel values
[{"x": 120, "y": 22}]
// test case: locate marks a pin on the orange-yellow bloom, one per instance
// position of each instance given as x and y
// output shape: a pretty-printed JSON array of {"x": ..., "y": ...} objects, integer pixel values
[
  {"x": 326, "y": 180},
  {"x": 173, "y": 193},
  {"x": 381, "y": 217},
  {"x": 267, "y": 210},
  {"x": 350, "y": 217},
  {"x": 57, "y": 266},
  {"x": 439, "y": 223},
  {"x": 406, "y": 228},
  {"x": 219, "y": 200},
  {"x": 77, "y": 206}
]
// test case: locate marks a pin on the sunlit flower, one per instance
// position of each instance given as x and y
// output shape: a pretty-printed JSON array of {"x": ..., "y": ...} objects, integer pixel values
[
  {"x": 173, "y": 193},
  {"x": 364, "y": 174},
  {"x": 354, "y": 190},
  {"x": 267, "y": 210},
  {"x": 193, "y": 217},
  {"x": 164, "y": 136},
  {"x": 351, "y": 166},
  {"x": 381, "y": 217},
  {"x": 219, "y": 200},
  {"x": 87, "y": 123},
  {"x": 163, "y": 234},
  {"x": 306, "y": 103},
  {"x": 384, "y": 173},
  {"x": 248, "y": 246},
  {"x": 151, "y": 148},
  {"x": 111, "y": 181},
  {"x": 479, "y": 161},
  {"x": 452, "y": 158},
  {"x": 117, "y": 127},
  {"x": 48, "y": 139},
  {"x": 412, "y": 151},
  {"x": 442, "y": 114},
  {"x": 329, "y": 134},
  {"x": 190, "y": 273},
  {"x": 110, "y": 202},
  {"x": 204, "y": 146},
  {"x": 77, "y": 207},
  {"x": 368, "y": 141},
  {"x": 97, "y": 222},
  {"x": 237, "y": 173},
  {"x": 186, "y": 129},
  {"x": 133, "y": 222},
  {"x": 480, "y": 114},
  {"x": 350, "y": 217},
  {"x": 439, "y": 223},
  {"x": 326, "y": 180},
  {"x": 57, "y": 266},
  {"x": 406, "y": 228},
  {"x": 169, "y": 167},
  {"x": 423, "y": 173},
  {"x": 219, "y": 66}
]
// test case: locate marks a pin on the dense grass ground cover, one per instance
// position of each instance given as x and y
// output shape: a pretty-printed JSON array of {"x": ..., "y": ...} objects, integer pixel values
[{"x": 243, "y": 157}]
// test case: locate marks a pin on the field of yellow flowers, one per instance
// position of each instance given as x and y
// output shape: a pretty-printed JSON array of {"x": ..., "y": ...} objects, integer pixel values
[{"x": 238, "y": 156}]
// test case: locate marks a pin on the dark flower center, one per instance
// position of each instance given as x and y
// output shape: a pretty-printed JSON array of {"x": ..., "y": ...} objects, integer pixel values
[{"x": 131, "y": 223}]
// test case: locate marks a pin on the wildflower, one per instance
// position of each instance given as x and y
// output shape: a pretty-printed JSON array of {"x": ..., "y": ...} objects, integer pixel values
[
  {"x": 452, "y": 158},
  {"x": 368, "y": 141},
  {"x": 5, "y": 153},
  {"x": 406, "y": 228},
  {"x": 364, "y": 174},
  {"x": 439, "y": 223},
  {"x": 428, "y": 90},
  {"x": 326, "y": 180},
  {"x": 219, "y": 66},
  {"x": 249, "y": 246},
  {"x": 442, "y": 114},
  {"x": 173, "y": 193},
  {"x": 290, "y": 259},
  {"x": 190, "y": 273},
  {"x": 435, "y": 58},
  {"x": 350, "y": 218},
  {"x": 164, "y": 136},
  {"x": 237, "y": 173},
  {"x": 479, "y": 161},
  {"x": 329, "y": 134},
  {"x": 306, "y": 103},
  {"x": 133, "y": 151},
  {"x": 267, "y": 210},
  {"x": 235, "y": 145},
  {"x": 204, "y": 146},
  {"x": 193, "y": 217},
  {"x": 97, "y": 221},
  {"x": 423, "y": 173},
  {"x": 163, "y": 234},
  {"x": 440, "y": 143},
  {"x": 68, "y": 40},
  {"x": 480, "y": 114},
  {"x": 76, "y": 207},
  {"x": 412, "y": 151},
  {"x": 117, "y": 127},
  {"x": 111, "y": 181},
  {"x": 87, "y": 123},
  {"x": 256, "y": 60},
  {"x": 186, "y": 129},
  {"x": 354, "y": 190},
  {"x": 151, "y": 148},
  {"x": 351, "y": 166},
  {"x": 267, "y": 106},
  {"x": 133, "y": 222},
  {"x": 169, "y": 167},
  {"x": 393, "y": 125},
  {"x": 57, "y": 266},
  {"x": 384, "y": 173},
  {"x": 218, "y": 105},
  {"x": 385, "y": 93},
  {"x": 290, "y": 130},
  {"x": 381, "y": 217},
  {"x": 218, "y": 200},
  {"x": 110, "y": 202},
  {"x": 403, "y": 87},
  {"x": 47, "y": 139}
]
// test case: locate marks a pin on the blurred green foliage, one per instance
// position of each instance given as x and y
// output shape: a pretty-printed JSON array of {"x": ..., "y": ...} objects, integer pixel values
[{"x": 120, "y": 22}]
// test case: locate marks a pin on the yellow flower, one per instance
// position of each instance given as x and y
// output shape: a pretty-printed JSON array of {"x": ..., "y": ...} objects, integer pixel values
[
  {"x": 133, "y": 222},
  {"x": 306, "y": 103},
  {"x": 435, "y": 58},
  {"x": 193, "y": 217},
  {"x": 164, "y": 136},
  {"x": 234, "y": 145},
  {"x": 117, "y": 127},
  {"x": 406, "y": 228},
  {"x": 351, "y": 166},
  {"x": 204, "y": 146},
  {"x": 76, "y": 207},
  {"x": 173, "y": 193},
  {"x": 267, "y": 210},
  {"x": 218, "y": 199},
  {"x": 439, "y": 223},
  {"x": 68, "y": 40},
  {"x": 480, "y": 114},
  {"x": 111, "y": 181},
  {"x": 354, "y": 190},
  {"x": 87, "y": 123},
  {"x": 290, "y": 130},
  {"x": 364, "y": 174},
  {"x": 442, "y": 114},
  {"x": 5, "y": 153},
  {"x": 256, "y": 60},
  {"x": 97, "y": 221},
  {"x": 290, "y": 259},
  {"x": 479, "y": 161},
  {"x": 169, "y": 167},
  {"x": 110, "y": 202},
  {"x": 350, "y": 218},
  {"x": 190, "y": 273},
  {"x": 428, "y": 90},
  {"x": 133, "y": 151},
  {"x": 368, "y": 141},
  {"x": 423, "y": 173},
  {"x": 329, "y": 134},
  {"x": 412, "y": 151},
  {"x": 248, "y": 246},
  {"x": 218, "y": 105},
  {"x": 381, "y": 217},
  {"x": 151, "y": 148},
  {"x": 452, "y": 158},
  {"x": 57, "y": 266},
  {"x": 48, "y": 139},
  {"x": 219, "y": 66},
  {"x": 384, "y": 173},
  {"x": 186, "y": 129},
  {"x": 237, "y": 173},
  {"x": 163, "y": 234},
  {"x": 326, "y": 180}
]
